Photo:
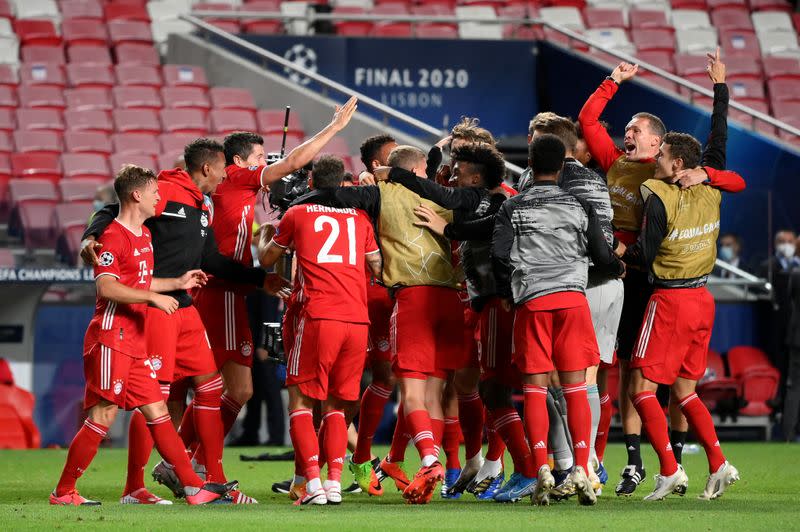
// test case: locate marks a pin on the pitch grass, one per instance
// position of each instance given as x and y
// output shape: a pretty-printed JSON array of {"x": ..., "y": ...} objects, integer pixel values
[{"x": 765, "y": 499}]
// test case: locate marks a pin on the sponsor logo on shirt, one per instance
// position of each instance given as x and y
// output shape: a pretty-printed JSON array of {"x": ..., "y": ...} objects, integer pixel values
[
  {"x": 136, "y": 253},
  {"x": 106, "y": 258},
  {"x": 251, "y": 168}
]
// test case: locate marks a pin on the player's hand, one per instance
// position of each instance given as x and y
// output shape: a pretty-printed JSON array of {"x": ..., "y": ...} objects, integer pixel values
[
  {"x": 716, "y": 68},
  {"x": 429, "y": 219},
  {"x": 192, "y": 279},
  {"x": 274, "y": 284},
  {"x": 381, "y": 173},
  {"x": 620, "y": 249},
  {"x": 689, "y": 178},
  {"x": 444, "y": 175},
  {"x": 444, "y": 142},
  {"x": 266, "y": 232},
  {"x": 89, "y": 249},
  {"x": 624, "y": 72},
  {"x": 366, "y": 178},
  {"x": 344, "y": 113},
  {"x": 166, "y": 303},
  {"x": 262, "y": 354},
  {"x": 624, "y": 270},
  {"x": 507, "y": 304}
]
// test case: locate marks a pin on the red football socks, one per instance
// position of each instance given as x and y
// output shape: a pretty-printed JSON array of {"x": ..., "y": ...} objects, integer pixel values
[
  {"x": 82, "y": 451},
  {"x": 419, "y": 426},
  {"x": 509, "y": 426},
  {"x": 603, "y": 427},
  {"x": 579, "y": 421},
  {"x": 229, "y": 409},
  {"x": 369, "y": 416},
  {"x": 655, "y": 426},
  {"x": 496, "y": 446},
  {"x": 537, "y": 423},
  {"x": 208, "y": 424},
  {"x": 334, "y": 442},
  {"x": 140, "y": 445},
  {"x": 304, "y": 441},
  {"x": 400, "y": 438},
  {"x": 703, "y": 426},
  {"x": 170, "y": 448},
  {"x": 451, "y": 442},
  {"x": 470, "y": 415},
  {"x": 437, "y": 428}
]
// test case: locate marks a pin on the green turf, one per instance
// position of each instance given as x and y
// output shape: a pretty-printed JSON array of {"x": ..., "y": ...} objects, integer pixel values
[{"x": 765, "y": 498}]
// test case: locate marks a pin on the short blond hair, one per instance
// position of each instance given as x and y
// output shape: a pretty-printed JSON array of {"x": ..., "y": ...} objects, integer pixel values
[
  {"x": 130, "y": 178},
  {"x": 469, "y": 129},
  {"x": 405, "y": 157}
]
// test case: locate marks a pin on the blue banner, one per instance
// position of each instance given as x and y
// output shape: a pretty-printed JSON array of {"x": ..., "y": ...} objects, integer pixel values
[{"x": 435, "y": 81}]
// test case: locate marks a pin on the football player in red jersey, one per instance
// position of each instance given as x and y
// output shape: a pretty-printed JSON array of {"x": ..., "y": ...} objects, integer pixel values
[
  {"x": 221, "y": 303},
  {"x": 328, "y": 354},
  {"x": 118, "y": 372}
]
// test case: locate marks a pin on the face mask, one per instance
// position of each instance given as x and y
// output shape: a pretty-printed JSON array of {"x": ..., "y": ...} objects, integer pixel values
[
  {"x": 786, "y": 250},
  {"x": 726, "y": 253},
  {"x": 97, "y": 205}
]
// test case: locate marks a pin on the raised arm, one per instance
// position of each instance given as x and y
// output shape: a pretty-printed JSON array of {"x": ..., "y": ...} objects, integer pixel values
[{"x": 714, "y": 155}]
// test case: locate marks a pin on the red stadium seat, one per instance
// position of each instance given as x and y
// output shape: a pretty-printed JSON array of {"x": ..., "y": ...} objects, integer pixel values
[
  {"x": 770, "y": 5},
  {"x": 743, "y": 67},
  {"x": 445, "y": 8},
  {"x": 8, "y": 76},
  {"x": 82, "y": 10},
  {"x": 648, "y": 19},
  {"x": 8, "y": 120},
  {"x": 227, "y": 24},
  {"x": 232, "y": 98},
  {"x": 38, "y": 142},
  {"x": 137, "y": 54},
  {"x": 90, "y": 54},
  {"x": 22, "y": 190},
  {"x": 139, "y": 75},
  {"x": 739, "y": 42},
  {"x": 185, "y": 76},
  {"x": 88, "y": 121},
  {"x": 337, "y": 146},
  {"x": 174, "y": 143},
  {"x": 125, "y": 11},
  {"x": 716, "y": 388},
  {"x": 8, "y": 97},
  {"x": 46, "y": 119},
  {"x": 783, "y": 90},
  {"x": 73, "y": 214},
  {"x": 33, "y": 221},
  {"x": 653, "y": 39},
  {"x": 188, "y": 121},
  {"x": 138, "y": 143},
  {"x": 168, "y": 160},
  {"x": 5, "y": 176},
  {"x": 42, "y": 74},
  {"x": 42, "y": 97},
  {"x": 80, "y": 188},
  {"x": 6, "y": 142},
  {"x": 186, "y": 98},
  {"x": 732, "y": 18},
  {"x": 600, "y": 17},
  {"x": 351, "y": 27},
  {"x": 85, "y": 165},
  {"x": 118, "y": 160},
  {"x": 6, "y": 12},
  {"x": 87, "y": 142},
  {"x": 83, "y": 32},
  {"x": 46, "y": 166},
  {"x": 436, "y": 30},
  {"x": 37, "y": 53},
  {"x": 7, "y": 259},
  {"x": 136, "y": 121},
  {"x": 723, "y": 4},
  {"x": 689, "y": 4},
  {"x": 136, "y": 98},
  {"x": 89, "y": 99},
  {"x": 757, "y": 378},
  {"x": 747, "y": 120},
  {"x": 787, "y": 110},
  {"x": 392, "y": 29},
  {"x": 89, "y": 76},
  {"x": 37, "y": 32},
  {"x": 262, "y": 27},
  {"x": 781, "y": 67},
  {"x": 272, "y": 142},
  {"x": 271, "y": 121},
  {"x": 129, "y": 32},
  {"x": 228, "y": 121}
]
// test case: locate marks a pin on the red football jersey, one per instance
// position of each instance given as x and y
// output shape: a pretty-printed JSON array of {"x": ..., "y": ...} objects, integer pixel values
[
  {"x": 330, "y": 245},
  {"x": 128, "y": 257},
  {"x": 234, "y": 205}
]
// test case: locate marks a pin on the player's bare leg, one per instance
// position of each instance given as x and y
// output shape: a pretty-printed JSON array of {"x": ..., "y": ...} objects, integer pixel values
[
  {"x": 238, "y": 380},
  {"x": 414, "y": 392}
]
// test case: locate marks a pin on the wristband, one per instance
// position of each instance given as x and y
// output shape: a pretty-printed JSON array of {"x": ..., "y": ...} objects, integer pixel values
[{"x": 612, "y": 79}]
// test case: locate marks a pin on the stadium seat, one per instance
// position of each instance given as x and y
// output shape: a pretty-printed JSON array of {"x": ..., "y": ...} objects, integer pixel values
[
  {"x": 478, "y": 30},
  {"x": 614, "y": 38},
  {"x": 33, "y": 222},
  {"x": 38, "y": 142},
  {"x": 7, "y": 259},
  {"x": 186, "y": 98},
  {"x": 44, "y": 166},
  {"x": 42, "y": 97},
  {"x": 174, "y": 143},
  {"x": 6, "y": 142},
  {"x": 351, "y": 27},
  {"x": 743, "y": 67},
  {"x": 746, "y": 89},
  {"x": 690, "y": 19},
  {"x": 37, "y": 32},
  {"x": 295, "y": 27},
  {"x": 138, "y": 143},
  {"x": 649, "y": 40},
  {"x": 136, "y": 121},
  {"x": 185, "y": 76},
  {"x": 125, "y": 11},
  {"x": 137, "y": 98},
  {"x": 137, "y": 54},
  {"x": 228, "y": 121},
  {"x": 89, "y": 54},
  {"x": 188, "y": 121},
  {"x": 81, "y": 188},
  {"x": 232, "y": 98},
  {"x": 262, "y": 27},
  {"x": 42, "y": 74},
  {"x": 783, "y": 90},
  {"x": 118, "y": 160},
  {"x": 648, "y": 19},
  {"x": 781, "y": 67},
  {"x": 9, "y": 50},
  {"x": 82, "y": 10},
  {"x": 392, "y": 29},
  {"x": 6, "y": 11},
  {"x": 739, "y": 43},
  {"x": 717, "y": 390},
  {"x": 45, "y": 119},
  {"x": 84, "y": 165},
  {"x": 40, "y": 54},
  {"x": 89, "y": 76},
  {"x": 696, "y": 41},
  {"x": 8, "y": 76},
  {"x": 337, "y": 146},
  {"x": 84, "y": 32},
  {"x": 166, "y": 161},
  {"x": 731, "y": 18},
  {"x": 32, "y": 189},
  {"x": 272, "y": 143},
  {"x": 89, "y": 99},
  {"x": 73, "y": 214},
  {"x": 769, "y": 21},
  {"x": 770, "y": 5},
  {"x": 782, "y": 44},
  {"x": 568, "y": 17},
  {"x": 271, "y": 121},
  {"x": 88, "y": 121},
  {"x": 129, "y": 32},
  {"x": 8, "y": 97},
  {"x": 8, "y": 120},
  {"x": 758, "y": 379},
  {"x": 138, "y": 76},
  {"x": 87, "y": 142},
  {"x": 434, "y": 30},
  {"x": 599, "y": 17},
  {"x": 230, "y": 25}
]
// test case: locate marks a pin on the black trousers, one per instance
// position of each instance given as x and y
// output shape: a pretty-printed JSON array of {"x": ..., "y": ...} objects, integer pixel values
[{"x": 791, "y": 403}]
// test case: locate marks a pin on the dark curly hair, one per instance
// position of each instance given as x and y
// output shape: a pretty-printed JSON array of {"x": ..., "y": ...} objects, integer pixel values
[
  {"x": 486, "y": 160},
  {"x": 371, "y": 147},
  {"x": 684, "y": 146}
]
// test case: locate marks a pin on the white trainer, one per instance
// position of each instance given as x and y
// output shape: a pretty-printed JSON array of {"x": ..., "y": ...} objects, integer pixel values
[
  {"x": 667, "y": 485},
  {"x": 544, "y": 483},
  {"x": 583, "y": 487},
  {"x": 718, "y": 482},
  {"x": 333, "y": 491}
]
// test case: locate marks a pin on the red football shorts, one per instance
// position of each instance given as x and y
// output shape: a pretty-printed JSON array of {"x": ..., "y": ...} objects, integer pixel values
[
  {"x": 119, "y": 378},
  {"x": 178, "y": 345},
  {"x": 674, "y": 336},
  {"x": 224, "y": 314},
  {"x": 291, "y": 320},
  {"x": 328, "y": 358},
  {"x": 471, "y": 340},
  {"x": 560, "y": 339},
  {"x": 495, "y": 329},
  {"x": 380, "y": 306},
  {"x": 427, "y": 332}
]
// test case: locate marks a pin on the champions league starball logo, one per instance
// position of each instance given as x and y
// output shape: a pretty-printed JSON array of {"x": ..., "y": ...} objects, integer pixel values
[
  {"x": 106, "y": 258},
  {"x": 304, "y": 57}
]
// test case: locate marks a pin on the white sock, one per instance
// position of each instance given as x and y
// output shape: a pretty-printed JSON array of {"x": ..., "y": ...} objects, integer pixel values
[
  {"x": 428, "y": 460},
  {"x": 313, "y": 485},
  {"x": 476, "y": 461},
  {"x": 330, "y": 484}
]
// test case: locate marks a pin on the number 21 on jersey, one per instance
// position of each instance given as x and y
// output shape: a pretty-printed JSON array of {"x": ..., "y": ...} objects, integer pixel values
[{"x": 323, "y": 223}]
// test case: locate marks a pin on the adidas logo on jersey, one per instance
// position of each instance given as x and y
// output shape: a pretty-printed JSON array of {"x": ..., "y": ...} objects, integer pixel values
[
  {"x": 580, "y": 445},
  {"x": 540, "y": 445},
  {"x": 136, "y": 253}
]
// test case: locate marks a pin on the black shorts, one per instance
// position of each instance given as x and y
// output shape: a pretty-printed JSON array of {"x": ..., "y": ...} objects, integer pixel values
[{"x": 637, "y": 294}]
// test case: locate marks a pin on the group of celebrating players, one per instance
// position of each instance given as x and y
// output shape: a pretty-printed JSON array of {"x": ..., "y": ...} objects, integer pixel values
[{"x": 450, "y": 285}]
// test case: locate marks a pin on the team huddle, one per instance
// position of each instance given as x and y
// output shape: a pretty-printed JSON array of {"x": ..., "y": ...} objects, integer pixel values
[{"x": 448, "y": 284}]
